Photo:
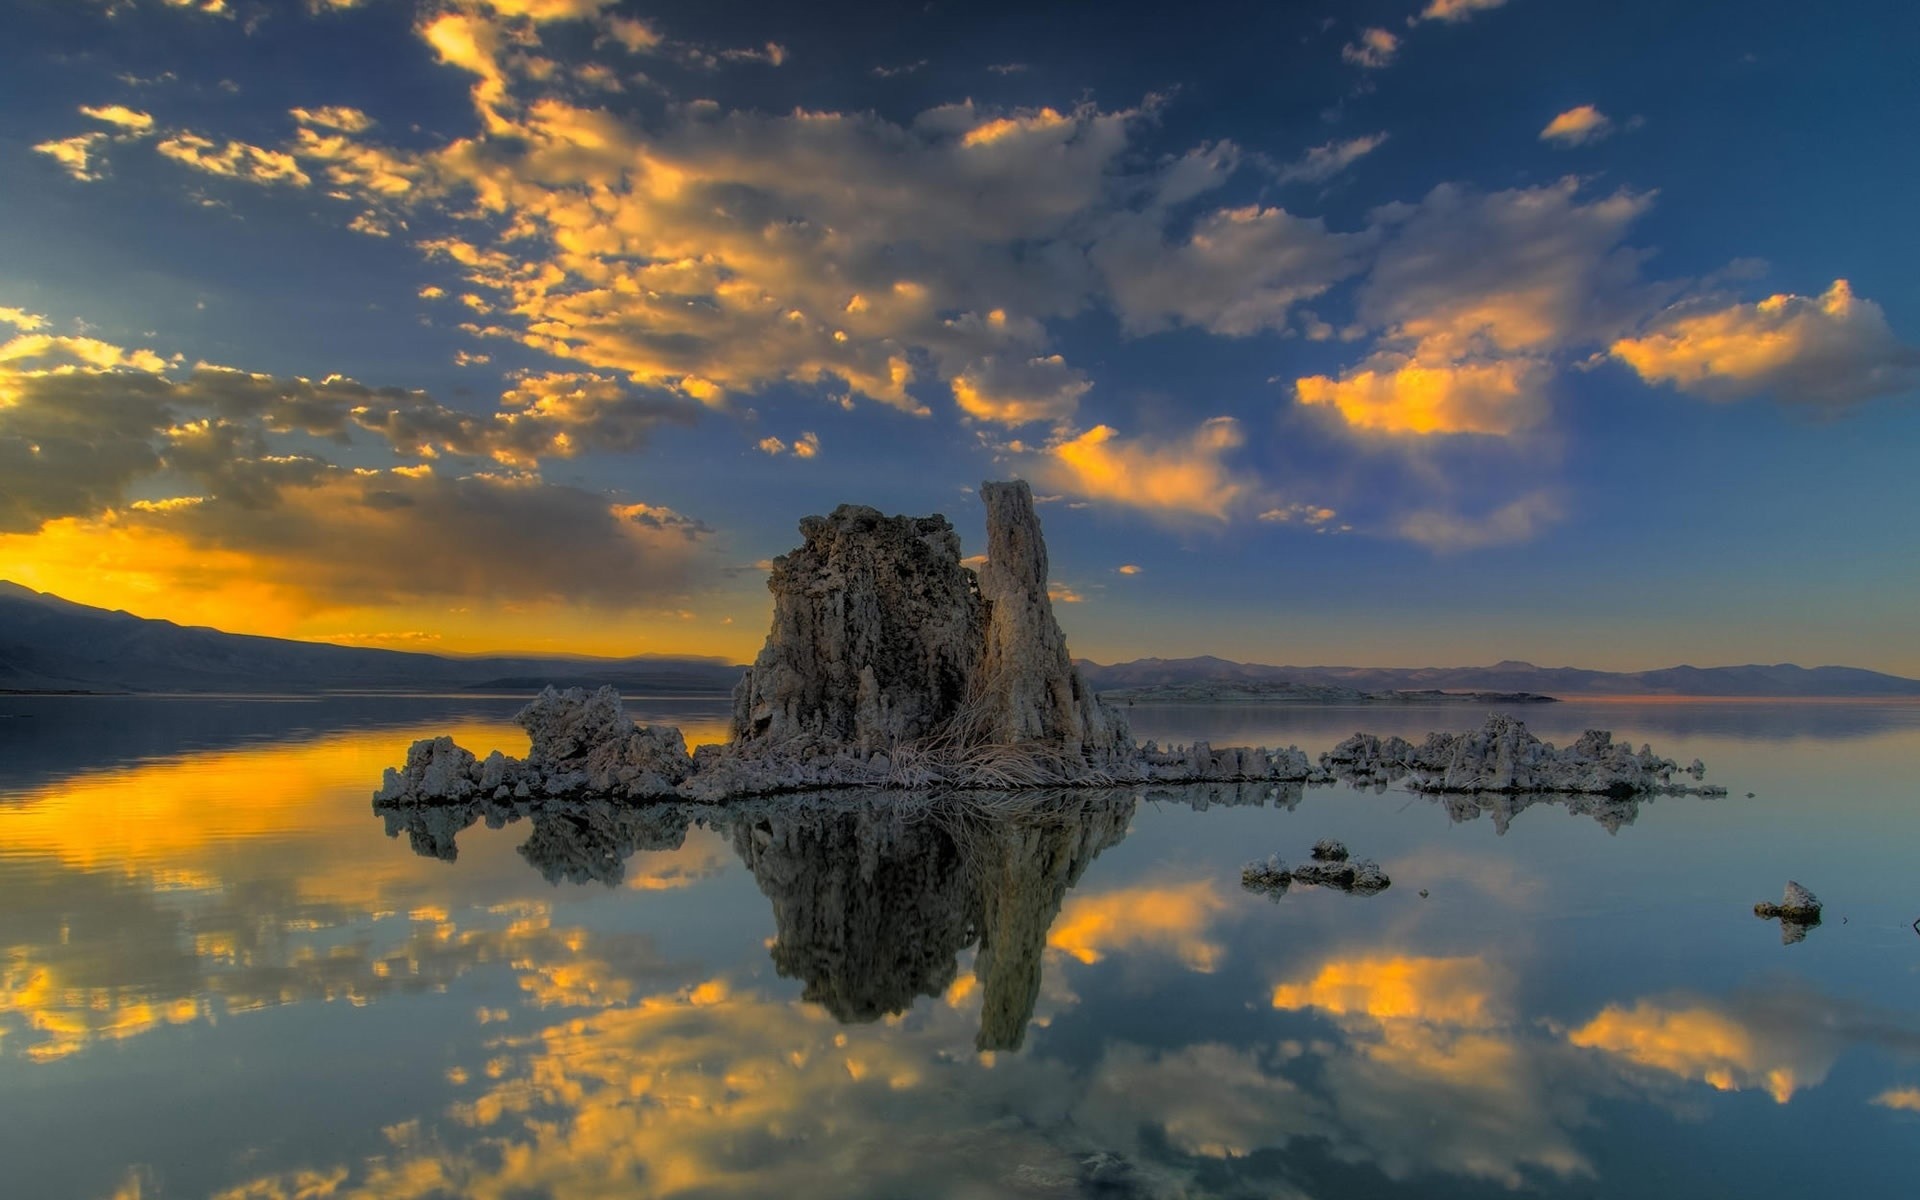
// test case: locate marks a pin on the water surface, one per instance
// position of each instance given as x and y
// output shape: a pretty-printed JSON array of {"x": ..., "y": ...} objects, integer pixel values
[{"x": 223, "y": 974}]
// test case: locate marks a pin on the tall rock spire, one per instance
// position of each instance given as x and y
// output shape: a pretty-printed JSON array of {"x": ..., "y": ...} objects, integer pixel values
[{"x": 1029, "y": 689}]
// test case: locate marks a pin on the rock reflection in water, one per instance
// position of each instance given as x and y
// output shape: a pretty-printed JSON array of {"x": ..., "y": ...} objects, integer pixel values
[
  {"x": 873, "y": 902},
  {"x": 870, "y": 910},
  {"x": 874, "y": 897},
  {"x": 1612, "y": 812}
]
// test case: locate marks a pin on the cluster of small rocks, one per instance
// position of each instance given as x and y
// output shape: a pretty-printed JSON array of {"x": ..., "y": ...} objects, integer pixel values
[
  {"x": 1330, "y": 866},
  {"x": 580, "y": 744},
  {"x": 1503, "y": 756}
]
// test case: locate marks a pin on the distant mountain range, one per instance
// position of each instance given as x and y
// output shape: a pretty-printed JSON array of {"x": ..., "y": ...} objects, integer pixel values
[
  {"x": 1783, "y": 679},
  {"x": 50, "y": 644}
]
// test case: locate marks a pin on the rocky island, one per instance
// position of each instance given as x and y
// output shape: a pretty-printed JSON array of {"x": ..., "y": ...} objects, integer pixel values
[{"x": 891, "y": 664}]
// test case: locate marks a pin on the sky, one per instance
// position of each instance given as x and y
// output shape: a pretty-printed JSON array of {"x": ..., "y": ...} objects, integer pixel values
[{"x": 1423, "y": 332}]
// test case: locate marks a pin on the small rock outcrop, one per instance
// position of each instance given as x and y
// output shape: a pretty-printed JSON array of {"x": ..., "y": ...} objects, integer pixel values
[
  {"x": 581, "y": 744},
  {"x": 1503, "y": 756},
  {"x": 1268, "y": 876},
  {"x": 1331, "y": 866},
  {"x": 1359, "y": 876},
  {"x": 1797, "y": 912}
]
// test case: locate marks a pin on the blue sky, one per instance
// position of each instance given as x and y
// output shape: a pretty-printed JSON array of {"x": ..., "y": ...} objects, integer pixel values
[{"x": 1429, "y": 332}]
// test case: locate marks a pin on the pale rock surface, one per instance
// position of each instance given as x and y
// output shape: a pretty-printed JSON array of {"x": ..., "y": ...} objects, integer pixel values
[
  {"x": 1268, "y": 876},
  {"x": 435, "y": 768},
  {"x": 1797, "y": 912},
  {"x": 1029, "y": 689},
  {"x": 876, "y": 637},
  {"x": 580, "y": 744}
]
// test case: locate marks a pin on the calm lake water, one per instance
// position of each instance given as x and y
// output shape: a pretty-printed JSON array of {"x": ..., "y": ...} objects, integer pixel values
[{"x": 222, "y": 974}]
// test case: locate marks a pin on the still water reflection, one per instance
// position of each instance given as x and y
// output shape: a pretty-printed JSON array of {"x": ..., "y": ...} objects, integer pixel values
[{"x": 220, "y": 976}]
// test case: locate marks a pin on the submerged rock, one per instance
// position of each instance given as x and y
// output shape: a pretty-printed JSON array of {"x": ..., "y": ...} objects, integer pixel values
[
  {"x": 1269, "y": 877},
  {"x": 1360, "y": 876},
  {"x": 1797, "y": 912}
]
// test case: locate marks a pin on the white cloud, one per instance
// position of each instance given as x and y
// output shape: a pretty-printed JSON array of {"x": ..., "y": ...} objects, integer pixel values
[
  {"x": 1314, "y": 515},
  {"x": 1322, "y": 163},
  {"x": 1013, "y": 391},
  {"x": 1518, "y": 521},
  {"x": 1240, "y": 270},
  {"x": 1526, "y": 269}
]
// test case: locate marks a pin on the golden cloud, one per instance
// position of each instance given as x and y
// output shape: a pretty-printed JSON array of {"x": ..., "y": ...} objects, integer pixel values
[
  {"x": 1375, "y": 48},
  {"x": 120, "y": 115},
  {"x": 76, "y": 154},
  {"x": 1450, "y": 991},
  {"x": 1433, "y": 1076},
  {"x": 1398, "y": 394},
  {"x": 1456, "y": 10},
  {"x": 1830, "y": 350},
  {"x": 234, "y": 160},
  {"x": 1707, "y": 1043},
  {"x": 1167, "y": 917},
  {"x": 1015, "y": 392},
  {"x": 1184, "y": 477},
  {"x": 1577, "y": 126}
]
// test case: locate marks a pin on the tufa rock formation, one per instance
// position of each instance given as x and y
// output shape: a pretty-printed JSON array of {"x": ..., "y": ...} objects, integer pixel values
[
  {"x": 881, "y": 640},
  {"x": 1330, "y": 867},
  {"x": 1028, "y": 689},
  {"x": 876, "y": 636},
  {"x": 889, "y": 664}
]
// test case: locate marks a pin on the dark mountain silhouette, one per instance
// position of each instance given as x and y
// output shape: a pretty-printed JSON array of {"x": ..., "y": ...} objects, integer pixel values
[
  {"x": 1782, "y": 679},
  {"x": 50, "y": 644}
]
